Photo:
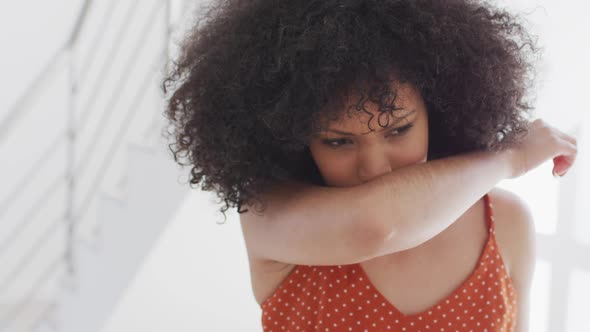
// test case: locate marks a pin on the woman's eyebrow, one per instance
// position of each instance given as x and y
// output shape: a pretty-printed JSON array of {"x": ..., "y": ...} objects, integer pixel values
[{"x": 345, "y": 133}]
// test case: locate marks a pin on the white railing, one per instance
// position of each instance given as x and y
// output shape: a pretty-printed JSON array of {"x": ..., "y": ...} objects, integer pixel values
[{"x": 39, "y": 236}]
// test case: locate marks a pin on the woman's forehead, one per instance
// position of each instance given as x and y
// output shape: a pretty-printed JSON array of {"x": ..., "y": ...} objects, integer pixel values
[
  {"x": 357, "y": 110},
  {"x": 363, "y": 125},
  {"x": 398, "y": 96},
  {"x": 374, "y": 118}
]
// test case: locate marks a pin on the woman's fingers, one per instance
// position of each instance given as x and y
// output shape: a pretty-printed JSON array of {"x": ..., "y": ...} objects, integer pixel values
[{"x": 563, "y": 162}]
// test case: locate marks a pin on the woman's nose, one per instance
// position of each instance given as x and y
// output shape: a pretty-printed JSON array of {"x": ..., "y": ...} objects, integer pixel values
[{"x": 372, "y": 166}]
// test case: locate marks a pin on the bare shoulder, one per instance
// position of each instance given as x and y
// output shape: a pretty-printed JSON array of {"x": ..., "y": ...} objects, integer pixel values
[{"x": 515, "y": 229}]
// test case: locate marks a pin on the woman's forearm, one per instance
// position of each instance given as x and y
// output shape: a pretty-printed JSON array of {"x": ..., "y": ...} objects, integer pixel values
[
  {"x": 411, "y": 205},
  {"x": 393, "y": 212}
]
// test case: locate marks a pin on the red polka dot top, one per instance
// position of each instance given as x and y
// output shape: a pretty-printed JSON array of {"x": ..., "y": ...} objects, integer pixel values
[{"x": 342, "y": 298}]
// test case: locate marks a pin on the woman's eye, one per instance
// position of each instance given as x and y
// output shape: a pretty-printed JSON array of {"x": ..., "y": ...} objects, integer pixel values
[
  {"x": 331, "y": 142},
  {"x": 335, "y": 143},
  {"x": 401, "y": 130}
]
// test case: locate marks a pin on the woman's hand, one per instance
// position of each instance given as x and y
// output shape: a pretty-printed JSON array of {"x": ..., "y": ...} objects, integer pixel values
[{"x": 541, "y": 143}]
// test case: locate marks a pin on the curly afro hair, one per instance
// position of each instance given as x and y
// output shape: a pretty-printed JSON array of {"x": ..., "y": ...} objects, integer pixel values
[{"x": 254, "y": 79}]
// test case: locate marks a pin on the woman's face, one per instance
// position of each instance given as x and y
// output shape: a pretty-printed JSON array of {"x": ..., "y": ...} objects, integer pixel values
[{"x": 348, "y": 160}]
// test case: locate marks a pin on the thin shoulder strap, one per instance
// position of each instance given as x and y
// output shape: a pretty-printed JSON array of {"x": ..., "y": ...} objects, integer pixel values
[{"x": 489, "y": 213}]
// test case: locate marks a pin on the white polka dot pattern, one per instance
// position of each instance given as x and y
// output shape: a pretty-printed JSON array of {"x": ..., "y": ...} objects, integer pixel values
[{"x": 342, "y": 298}]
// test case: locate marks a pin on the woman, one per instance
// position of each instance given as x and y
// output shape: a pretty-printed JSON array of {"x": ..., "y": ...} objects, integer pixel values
[{"x": 373, "y": 133}]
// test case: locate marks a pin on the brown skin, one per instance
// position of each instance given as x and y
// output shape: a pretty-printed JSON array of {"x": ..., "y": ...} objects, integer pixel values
[{"x": 345, "y": 161}]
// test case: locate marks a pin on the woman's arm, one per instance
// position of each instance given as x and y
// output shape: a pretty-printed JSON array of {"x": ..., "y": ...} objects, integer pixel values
[
  {"x": 402, "y": 209},
  {"x": 315, "y": 225}
]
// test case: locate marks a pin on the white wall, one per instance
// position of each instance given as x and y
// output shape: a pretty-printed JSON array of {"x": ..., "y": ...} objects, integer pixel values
[{"x": 196, "y": 279}]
